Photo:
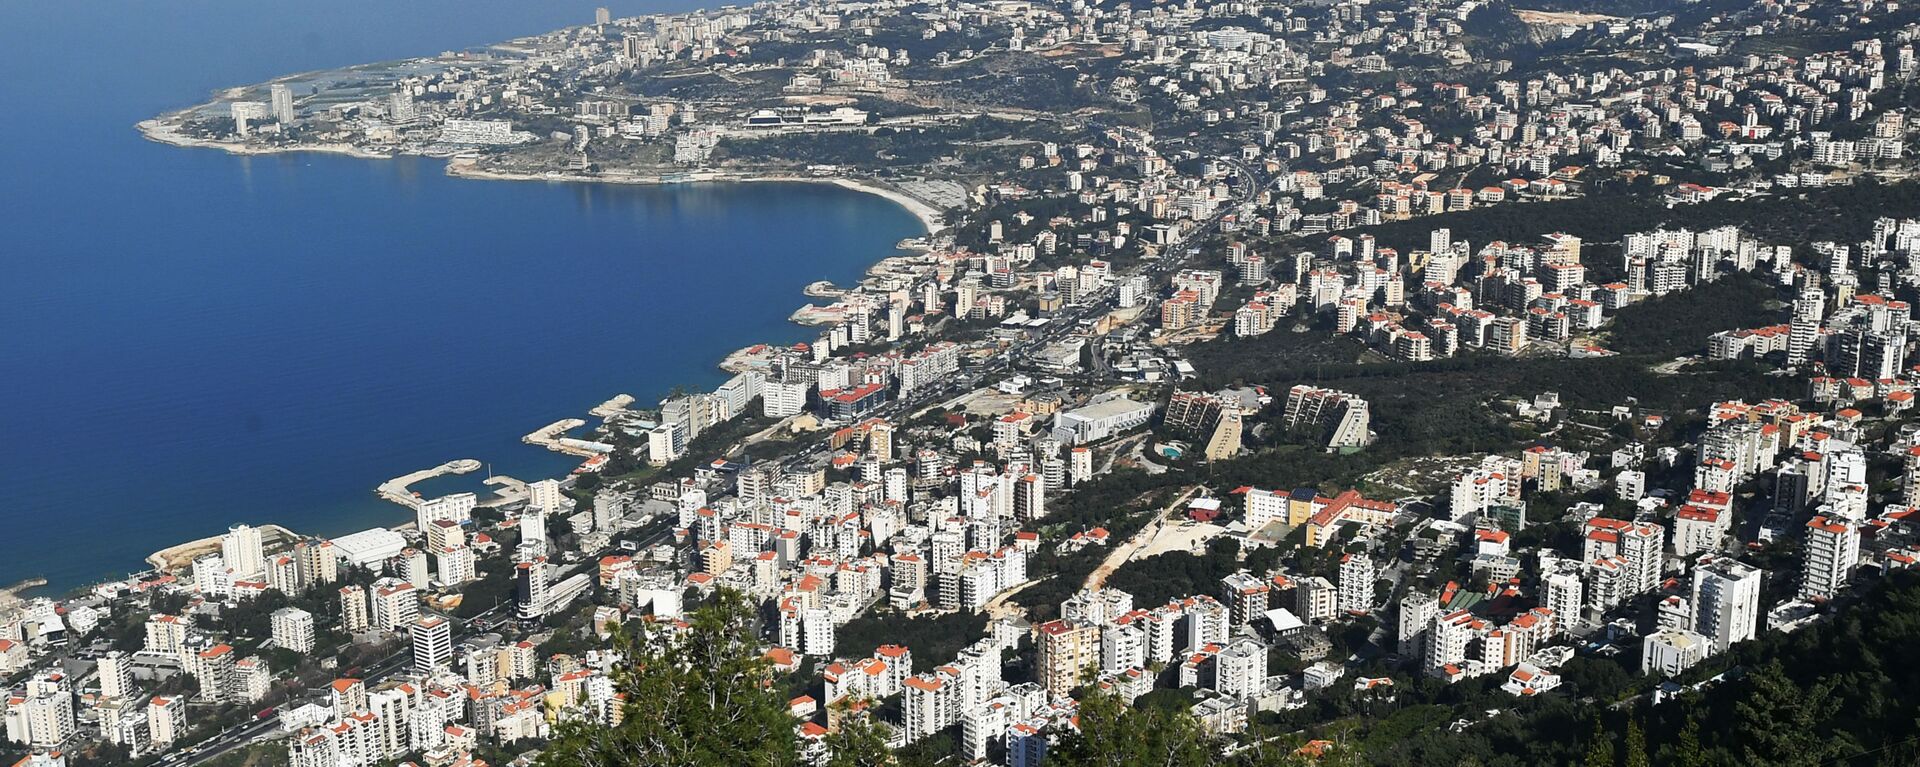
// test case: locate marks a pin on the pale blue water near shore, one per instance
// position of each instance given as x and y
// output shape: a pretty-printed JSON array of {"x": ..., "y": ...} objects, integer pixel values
[{"x": 189, "y": 339}]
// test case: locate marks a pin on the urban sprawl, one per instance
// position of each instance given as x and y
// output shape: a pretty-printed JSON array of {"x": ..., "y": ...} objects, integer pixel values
[{"x": 1168, "y": 404}]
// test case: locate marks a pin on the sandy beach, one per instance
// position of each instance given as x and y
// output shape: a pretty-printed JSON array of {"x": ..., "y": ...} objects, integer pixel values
[{"x": 929, "y": 216}]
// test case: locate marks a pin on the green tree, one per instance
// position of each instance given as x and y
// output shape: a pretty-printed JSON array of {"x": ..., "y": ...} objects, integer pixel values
[
  {"x": 1780, "y": 723},
  {"x": 1687, "y": 751},
  {"x": 858, "y": 743},
  {"x": 1599, "y": 747},
  {"x": 1114, "y": 734},
  {"x": 1636, "y": 744},
  {"x": 701, "y": 698}
]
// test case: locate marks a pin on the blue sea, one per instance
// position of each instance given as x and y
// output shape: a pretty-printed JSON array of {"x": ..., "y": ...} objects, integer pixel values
[{"x": 190, "y": 339}]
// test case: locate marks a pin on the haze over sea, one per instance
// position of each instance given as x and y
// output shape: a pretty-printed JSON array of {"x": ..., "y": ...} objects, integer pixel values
[{"x": 190, "y": 339}]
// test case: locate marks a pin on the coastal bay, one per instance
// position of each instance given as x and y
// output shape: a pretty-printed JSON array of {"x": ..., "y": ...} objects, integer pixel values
[
  {"x": 198, "y": 338},
  {"x": 931, "y": 218}
]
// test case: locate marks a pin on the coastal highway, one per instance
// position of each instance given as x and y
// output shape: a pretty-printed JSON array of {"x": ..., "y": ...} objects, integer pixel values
[
  {"x": 238, "y": 736},
  {"x": 228, "y": 740}
]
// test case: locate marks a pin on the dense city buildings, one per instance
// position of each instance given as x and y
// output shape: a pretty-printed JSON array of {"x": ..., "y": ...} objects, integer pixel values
[{"x": 1208, "y": 411}]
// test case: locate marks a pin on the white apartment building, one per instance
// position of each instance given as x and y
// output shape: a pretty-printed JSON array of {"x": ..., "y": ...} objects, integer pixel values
[
  {"x": 353, "y": 610},
  {"x": 782, "y": 399},
  {"x": 1315, "y": 600},
  {"x": 1264, "y": 506},
  {"x": 929, "y": 704},
  {"x": 1240, "y": 668},
  {"x": 166, "y": 720},
  {"x": 293, "y": 629},
  {"x": 1671, "y": 651},
  {"x": 1565, "y": 596},
  {"x": 242, "y": 550},
  {"x": 1638, "y": 545},
  {"x": 432, "y": 644},
  {"x": 116, "y": 675},
  {"x": 1357, "y": 573},
  {"x": 1833, "y": 550},
  {"x": 395, "y": 604},
  {"x": 1417, "y": 610},
  {"x": 1450, "y": 637},
  {"x": 1726, "y": 601}
]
